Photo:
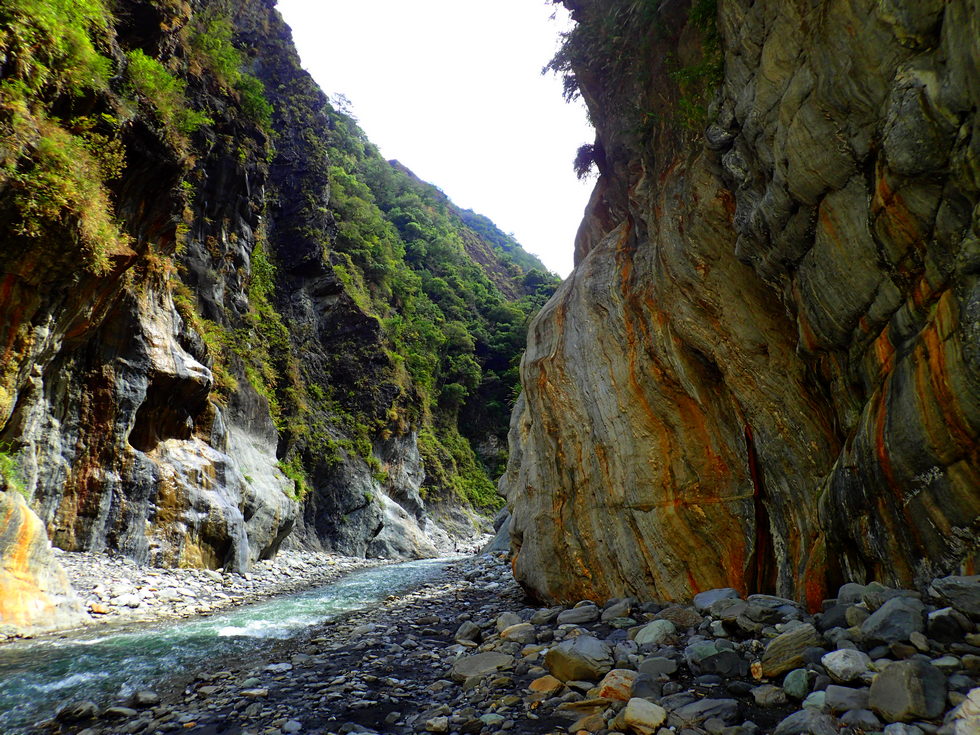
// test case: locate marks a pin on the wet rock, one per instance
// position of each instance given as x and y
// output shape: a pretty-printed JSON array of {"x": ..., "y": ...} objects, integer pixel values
[
  {"x": 77, "y": 712},
  {"x": 861, "y": 719},
  {"x": 908, "y": 690},
  {"x": 143, "y": 699}
]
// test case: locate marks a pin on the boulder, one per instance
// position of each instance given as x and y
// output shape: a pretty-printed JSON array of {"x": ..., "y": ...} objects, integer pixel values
[
  {"x": 894, "y": 621},
  {"x": 785, "y": 651},
  {"x": 908, "y": 690},
  {"x": 582, "y": 658},
  {"x": 846, "y": 665},
  {"x": 655, "y": 633}
]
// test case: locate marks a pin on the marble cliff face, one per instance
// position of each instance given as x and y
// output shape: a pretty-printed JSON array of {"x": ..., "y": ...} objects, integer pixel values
[{"x": 764, "y": 371}]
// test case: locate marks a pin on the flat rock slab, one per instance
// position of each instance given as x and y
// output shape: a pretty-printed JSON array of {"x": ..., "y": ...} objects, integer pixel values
[{"x": 481, "y": 664}]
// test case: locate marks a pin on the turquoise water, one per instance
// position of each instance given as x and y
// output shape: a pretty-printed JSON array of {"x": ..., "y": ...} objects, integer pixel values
[{"x": 37, "y": 676}]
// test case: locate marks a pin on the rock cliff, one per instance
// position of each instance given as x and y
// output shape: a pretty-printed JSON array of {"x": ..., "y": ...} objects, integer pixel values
[
  {"x": 764, "y": 371},
  {"x": 225, "y": 320}
]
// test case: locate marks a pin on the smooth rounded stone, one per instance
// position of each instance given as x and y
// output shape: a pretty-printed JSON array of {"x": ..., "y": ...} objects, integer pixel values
[
  {"x": 480, "y": 664},
  {"x": 962, "y": 593},
  {"x": 643, "y": 717},
  {"x": 506, "y": 619},
  {"x": 545, "y": 616},
  {"x": 657, "y": 666},
  {"x": 785, "y": 651},
  {"x": 850, "y": 593},
  {"x": 292, "y": 726},
  {"x": 894, "y": 621},
  {"x": 656, "y": 633},
  {"x": 468, "y": 632},
  {"x": 768, "y": 695},
  {"x": 617, "y": 685},
  {"x": 693, "y": 714},
  {"x": 796, "y": 684},
  {"x": 583, "y": 657},
  {"x": 143, "y": 699},
  {"x": 843, "y": 699},
  {"x": 77, "y": 711},
  {"x": 815, "y": 700},
  {"x": 861, "y": 719},
  {"x": 846, "y": 665},
  {"x": 704, "y": 600},
  {"x": 908, "y": 690},
  {"x": 807, "y": 722},
  {"x": 617, "y": 609},
  {"x": 578, "y": 615},
  {"x": 522, "y": 633},
  {"x": 947, "y": 664}
]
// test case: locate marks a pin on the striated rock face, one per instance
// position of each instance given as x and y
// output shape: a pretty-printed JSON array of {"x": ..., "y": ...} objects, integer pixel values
[
  {"x": 34, "y": 591},
  {"x": 764, "y": 372}
]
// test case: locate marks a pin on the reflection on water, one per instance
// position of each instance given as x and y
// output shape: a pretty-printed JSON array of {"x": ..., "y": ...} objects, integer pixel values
[{"x": 37, "y": 676}]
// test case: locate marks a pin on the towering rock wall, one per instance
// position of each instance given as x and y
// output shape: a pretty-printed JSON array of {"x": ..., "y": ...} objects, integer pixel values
[{"x": 764, "y": 371}]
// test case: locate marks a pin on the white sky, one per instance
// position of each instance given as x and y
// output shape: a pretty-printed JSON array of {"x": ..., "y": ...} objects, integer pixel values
[{"x": 453, "y": 89}]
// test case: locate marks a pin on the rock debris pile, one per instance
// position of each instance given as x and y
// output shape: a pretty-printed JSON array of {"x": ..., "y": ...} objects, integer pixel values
[{"x": 465, "y": 655}]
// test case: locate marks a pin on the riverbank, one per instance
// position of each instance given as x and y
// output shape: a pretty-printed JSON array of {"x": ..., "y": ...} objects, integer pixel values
[
  {"x": 464, "y": 653},
  {"x": 116, "y": 590}
]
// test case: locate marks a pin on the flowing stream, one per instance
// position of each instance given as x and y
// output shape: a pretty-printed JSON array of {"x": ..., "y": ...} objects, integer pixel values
[{"x": 37, "y": 676}]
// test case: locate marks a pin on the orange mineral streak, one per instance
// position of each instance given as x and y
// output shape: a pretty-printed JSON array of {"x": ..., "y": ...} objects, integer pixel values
[
  {"x": 22, "y": 601},
  {"x": 900, "y": 225}
]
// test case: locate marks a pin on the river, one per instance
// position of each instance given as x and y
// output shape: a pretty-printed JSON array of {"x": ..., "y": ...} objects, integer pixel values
[{"x": 36, "y": 676}]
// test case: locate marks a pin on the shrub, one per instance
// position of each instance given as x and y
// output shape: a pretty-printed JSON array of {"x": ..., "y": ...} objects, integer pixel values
[
  {"x": 60, "y": 187},
  {"x": 166, "y": 94}
]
